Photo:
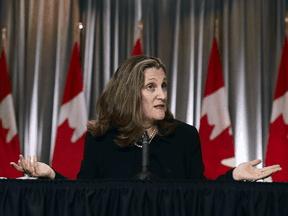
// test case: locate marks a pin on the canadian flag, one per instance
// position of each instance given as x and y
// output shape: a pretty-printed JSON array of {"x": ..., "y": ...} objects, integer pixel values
[
  {"x": 277, "y": 148},
  {"x": 9, "y": 142},
  {"x": 215, "y": 127},
  {"x": 137, "y": 48},
  {"x": 71, "y": 131}
]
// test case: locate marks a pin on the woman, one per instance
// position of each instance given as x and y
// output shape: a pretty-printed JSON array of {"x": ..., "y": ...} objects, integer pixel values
[{"x": 135, "y": 101}]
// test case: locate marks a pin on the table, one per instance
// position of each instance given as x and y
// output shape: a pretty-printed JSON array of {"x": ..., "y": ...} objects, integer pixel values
[{"x": 136, "y": 197}]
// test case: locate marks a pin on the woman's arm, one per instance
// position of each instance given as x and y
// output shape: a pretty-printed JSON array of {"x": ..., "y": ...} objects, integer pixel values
[{"x": 90, "y": 165}]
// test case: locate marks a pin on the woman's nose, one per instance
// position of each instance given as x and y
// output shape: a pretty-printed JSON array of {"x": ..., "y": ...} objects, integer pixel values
[{"x": 161, "y": 94}]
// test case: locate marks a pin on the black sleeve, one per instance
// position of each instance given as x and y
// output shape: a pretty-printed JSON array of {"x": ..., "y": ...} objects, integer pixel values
[
  {"x": 57, "y": 175},
  {"x": 191, "y": 145},
  {"x": 196, "y": 157},
  {"x": 196, "y": 163},
  {"x": 227, "y": 176},
  {"x": 90, "y": 165}
]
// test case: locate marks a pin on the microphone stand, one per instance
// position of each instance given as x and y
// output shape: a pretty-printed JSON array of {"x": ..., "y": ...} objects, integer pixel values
[
  {"x": 145, "y": 156},
  {"x": 145, "y": 174}
]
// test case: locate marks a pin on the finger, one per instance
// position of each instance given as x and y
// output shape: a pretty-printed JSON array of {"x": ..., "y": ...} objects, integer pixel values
[
  {"x": 276, "y": 169},
  {"x": 21, "y": 158},
  {"x": 31, "y": 169},
  {"x": 273, "y": 167},
  {"x": 36, "y": 166},
  {"x": 23, "y": 163},
  {"x": 18, "y": 168},
  {"x": 28, "y": 165},
  {"x": 29, "y": 161},
  {"x": 28, "y": 168},
  {"x": 32, "y": 163},
  {"x": 35, "y": 159},
  {"x": 264, "y": 174},
  {"x": 20, "y": 164},
  {"x": 270, "y": 170},
  {"x": 255, "y": 162}
]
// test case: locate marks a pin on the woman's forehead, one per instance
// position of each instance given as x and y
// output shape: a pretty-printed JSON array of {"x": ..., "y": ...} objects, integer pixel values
[{"x": 155, "y": 74}]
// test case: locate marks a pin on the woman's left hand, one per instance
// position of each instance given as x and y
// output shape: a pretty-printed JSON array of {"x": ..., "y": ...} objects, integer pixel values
[{"x": 247, "y": 171}]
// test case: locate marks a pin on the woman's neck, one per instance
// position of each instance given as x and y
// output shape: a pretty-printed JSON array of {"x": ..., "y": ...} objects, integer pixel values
[{"x": 151, "y": 131}]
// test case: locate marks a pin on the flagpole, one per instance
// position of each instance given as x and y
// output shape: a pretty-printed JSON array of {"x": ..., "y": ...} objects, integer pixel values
[
  {"x": 4, "y": 40},
  {"x": 141, "y": 31},
  {"x": 138, "y": 50},
  {"x": 80, "y": 27},
  {"x": 217, "y": 19},
  {"x": 78, "y": 38},
  {"x": 286, "y": 23}
]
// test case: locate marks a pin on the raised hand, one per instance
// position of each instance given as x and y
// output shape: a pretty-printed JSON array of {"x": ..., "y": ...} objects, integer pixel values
[
  {"x": 33, "y": 169},
  {"x": 247, "y": 171}
]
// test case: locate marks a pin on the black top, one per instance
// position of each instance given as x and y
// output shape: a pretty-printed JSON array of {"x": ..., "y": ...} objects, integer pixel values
[
  {"x": 175, "y": 156},
  {"x": 154, "y": 163}
]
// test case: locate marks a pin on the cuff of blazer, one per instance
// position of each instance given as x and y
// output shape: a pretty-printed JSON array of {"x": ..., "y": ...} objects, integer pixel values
[{"x": 227, "y": 176}]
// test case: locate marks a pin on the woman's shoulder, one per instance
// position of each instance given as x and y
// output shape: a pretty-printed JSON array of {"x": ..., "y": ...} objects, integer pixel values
[
  {"x": 181, "y": 130},
  {"x": 101, "y": 142},
  {"x": 111, "y": 132},
  {"x": 184, "y": 126},
  {"x": 91, "y": 128},
  {"x": 185, "y": 135}
]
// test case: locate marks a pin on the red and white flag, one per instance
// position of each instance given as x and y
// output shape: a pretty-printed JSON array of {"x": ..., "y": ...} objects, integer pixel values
[
  {"x": 215, "y": 127},
  {"x": 277, "y": 148},
  {"x": 71, "y": 131},
  {"x": 137, "y": 48},
  {"x": 9, "y": 142}
]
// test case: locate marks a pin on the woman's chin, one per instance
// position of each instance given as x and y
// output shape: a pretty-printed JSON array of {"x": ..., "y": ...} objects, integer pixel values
[{"x": 159, "y": 118}]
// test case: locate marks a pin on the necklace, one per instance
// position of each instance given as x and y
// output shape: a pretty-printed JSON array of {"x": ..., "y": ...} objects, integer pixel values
[{"x": 152, "y": 136}]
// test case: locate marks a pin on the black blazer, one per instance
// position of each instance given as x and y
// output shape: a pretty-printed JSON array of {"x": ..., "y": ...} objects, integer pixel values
[{"x": 178, "y": 153}]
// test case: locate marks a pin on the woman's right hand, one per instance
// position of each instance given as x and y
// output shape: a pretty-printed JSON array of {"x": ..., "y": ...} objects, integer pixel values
[{"x": 33, "y": 169}]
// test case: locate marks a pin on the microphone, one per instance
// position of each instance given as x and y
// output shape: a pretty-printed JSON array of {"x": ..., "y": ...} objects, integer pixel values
[
  {"x": 145, "y": 152},
  {"x": 145, "y": 174}
]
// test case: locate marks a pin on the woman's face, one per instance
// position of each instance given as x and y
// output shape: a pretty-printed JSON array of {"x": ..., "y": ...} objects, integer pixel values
[{"x": 154, "y": 95}]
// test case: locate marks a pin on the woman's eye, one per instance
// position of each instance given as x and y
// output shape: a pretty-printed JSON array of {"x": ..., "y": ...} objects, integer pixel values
[
  {"x": 164, "y": 86},
  {"x": 150, "y": 87}
]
